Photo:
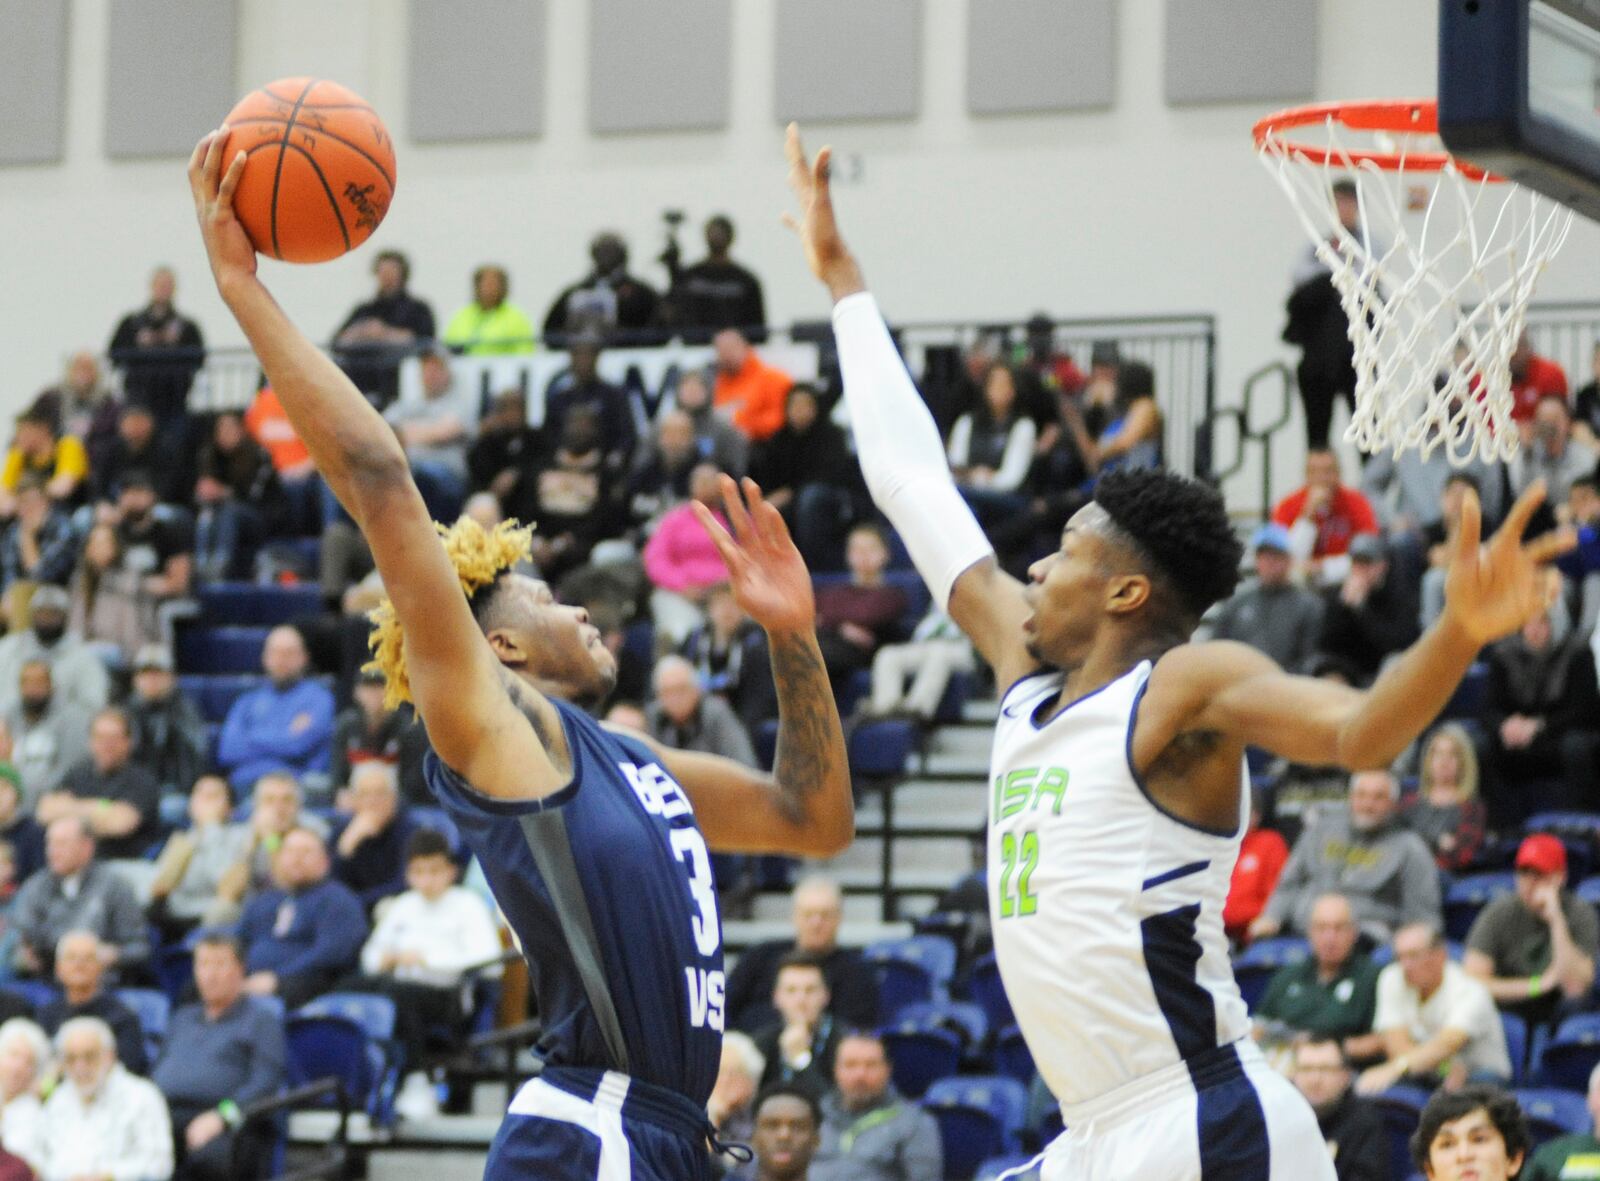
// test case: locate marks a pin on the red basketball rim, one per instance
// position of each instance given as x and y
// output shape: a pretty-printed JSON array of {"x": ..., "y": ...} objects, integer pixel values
[{"x": 1415, "y": 116}]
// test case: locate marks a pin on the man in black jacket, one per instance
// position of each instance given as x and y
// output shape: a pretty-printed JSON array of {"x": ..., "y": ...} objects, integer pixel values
[
  {"x": 1354, "y": 1130},
  {"x": 381, "y": 333},
  {"x": 806, "y": 469},
  {"x": 159, "y": 352},
  {"x": 1372, "y": 614},
  {"x": 169, "y": 735},
  {"x": 715, "y": 292}
]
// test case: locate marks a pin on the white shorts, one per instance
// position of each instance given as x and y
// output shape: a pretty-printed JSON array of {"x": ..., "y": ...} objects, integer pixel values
[{"x": 1227, "y": 1116}]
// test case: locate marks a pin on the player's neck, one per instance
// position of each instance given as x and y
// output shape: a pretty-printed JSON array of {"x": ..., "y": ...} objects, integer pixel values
[{"x": 1108, "y": 659}]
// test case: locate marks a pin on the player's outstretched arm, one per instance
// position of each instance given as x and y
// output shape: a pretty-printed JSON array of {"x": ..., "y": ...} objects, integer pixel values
[
  {"x": 455, "y": 678},
  {"x": 901, "y": 454},
  {"x": 1491, "y": 590},
  {"x": 805, "y": 806}
]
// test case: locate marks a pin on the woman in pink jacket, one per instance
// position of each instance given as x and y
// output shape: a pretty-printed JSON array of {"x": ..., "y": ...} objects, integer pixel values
[{"x": 682, "y": 562}]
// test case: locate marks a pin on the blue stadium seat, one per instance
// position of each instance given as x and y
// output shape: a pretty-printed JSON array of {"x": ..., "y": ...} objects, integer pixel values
[
  {"x": 998, "y": 1166},
  {"x": 347, "y": 1035},
  {"x": 1254, "y": 967},
  {"x": 766, "y": 743},
  {"x": 961, "y": 689},
  {"x": 220, "y": 649},
  {"x": 910, "y": 970},
  {"x": 1401, "y": 1108},
  {"x": 215, "y": 695},
  {"x": 856, "y": 689},
  {"x": 1516, "y": 1030},
  {"x": 1012, "y": 1057},
  {"x": 174, "y": 969},
  {"x": 153, "y": 1008},
  {"x": 920, "y": 1054},
  {"x": 950, "y": 925},
  {"x": 38, "y": 993},
  {"x": 249, "y": 604},
  {"x": 1467, "y": 701},
  {"x": 1589, "y": 890},
  {"x": 1553, "y": 1113},
  {"x": 1567, "y": 1059},
  {"x": 979, "y": 1116},
  {"x": 423, "y": 816},
  {"x": 963, "y": 1018},
  {"x": 1468, "y": 895},
  {"x": 879, "y": 749},
  {"x": 987, "y": 989}
]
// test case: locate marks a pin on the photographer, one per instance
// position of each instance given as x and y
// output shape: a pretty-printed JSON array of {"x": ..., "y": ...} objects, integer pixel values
[{"x": 715, "y": 292}]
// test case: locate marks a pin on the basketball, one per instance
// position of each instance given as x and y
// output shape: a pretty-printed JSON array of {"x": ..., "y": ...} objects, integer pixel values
[{"x": 320, "y": 173}]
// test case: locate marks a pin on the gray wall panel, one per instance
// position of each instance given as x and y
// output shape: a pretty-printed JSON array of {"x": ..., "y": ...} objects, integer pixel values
[
  {"x": 1238, "y": 50},
  {"x": 848, "y": 59},
  {"x": 1040, "y": 55},
  {"x": 33, "y": 61},
  {"x": 169, "y": 74},
  {"x": 657, "y": 66},
  {"x": 477, "y": 70}
]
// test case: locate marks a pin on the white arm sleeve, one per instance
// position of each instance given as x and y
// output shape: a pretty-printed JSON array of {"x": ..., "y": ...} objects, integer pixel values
[{"x": 901, "y": 454}]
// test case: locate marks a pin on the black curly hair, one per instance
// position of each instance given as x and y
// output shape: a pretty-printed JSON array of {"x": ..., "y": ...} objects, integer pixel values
[
  {"x": 1504, "y": 1112},
  {"x": 1180, "y": 531}
]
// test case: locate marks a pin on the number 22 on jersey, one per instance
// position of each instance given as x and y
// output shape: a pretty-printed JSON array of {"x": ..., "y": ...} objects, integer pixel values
[{"x": 1019, "y": 857}]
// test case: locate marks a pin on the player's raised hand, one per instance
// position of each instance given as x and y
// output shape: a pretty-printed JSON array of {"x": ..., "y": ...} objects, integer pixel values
[
  {"x": 768, "y": 575},
  {"x": 1491, "y": 589},
  {"x": 227, "y": 245},
  {"x": 826, "y": 254}
]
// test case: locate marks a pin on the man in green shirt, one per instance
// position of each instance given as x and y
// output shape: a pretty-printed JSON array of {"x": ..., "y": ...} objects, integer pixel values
[
  {"x": 1332, "y": 993},
  {"x": 490, "y": 325},
  {"x": 1571, "y": 1158}
]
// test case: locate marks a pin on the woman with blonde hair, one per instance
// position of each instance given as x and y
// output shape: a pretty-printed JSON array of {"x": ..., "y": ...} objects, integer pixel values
[{"x": 1446, "y": 811}]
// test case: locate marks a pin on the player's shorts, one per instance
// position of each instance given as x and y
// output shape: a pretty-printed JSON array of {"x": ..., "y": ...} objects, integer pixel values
[
  {"x": 576, "y": 1124},
  {"x": 1222, "y": 1116}
]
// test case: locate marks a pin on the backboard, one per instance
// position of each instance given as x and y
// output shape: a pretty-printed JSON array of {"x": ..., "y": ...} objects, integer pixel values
[{"x": 1519, "y": 93}]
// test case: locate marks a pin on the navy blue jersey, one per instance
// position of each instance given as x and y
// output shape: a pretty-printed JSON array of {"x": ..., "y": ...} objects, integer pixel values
[{"x": 609, "y": 879}]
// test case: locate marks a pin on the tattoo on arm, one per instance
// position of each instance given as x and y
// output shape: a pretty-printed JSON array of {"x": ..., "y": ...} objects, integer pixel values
[{"x": 810, "y": 742}]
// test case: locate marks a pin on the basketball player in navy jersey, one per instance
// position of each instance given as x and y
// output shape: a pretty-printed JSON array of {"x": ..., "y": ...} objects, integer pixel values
[
  {"x": 1118, "y": 789},
  {"x": 595, "y": 844}
]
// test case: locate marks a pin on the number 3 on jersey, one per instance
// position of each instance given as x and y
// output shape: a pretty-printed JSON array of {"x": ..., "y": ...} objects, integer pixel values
[
  {"x": 706, "y": 989},
  {"x": 1019, "y": 857}
]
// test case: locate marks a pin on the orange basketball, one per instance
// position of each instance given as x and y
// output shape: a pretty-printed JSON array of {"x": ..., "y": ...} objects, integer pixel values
[{"x": 320, "y": 172}]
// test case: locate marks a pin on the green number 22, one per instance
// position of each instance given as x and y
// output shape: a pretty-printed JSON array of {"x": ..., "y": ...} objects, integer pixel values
[{"x": 1012, "y": 851}]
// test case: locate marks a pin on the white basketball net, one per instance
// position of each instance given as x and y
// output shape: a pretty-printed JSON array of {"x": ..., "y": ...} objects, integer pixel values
[{"x": 1435, "y": 310}]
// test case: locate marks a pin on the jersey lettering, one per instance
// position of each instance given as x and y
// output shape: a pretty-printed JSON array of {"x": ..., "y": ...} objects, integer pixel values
[
  {"x": 707, "y": 998},
  {"x": 1029, "y": 789},
  {"x": 657, "y": 791},
  {"x": 690, "y": 848}
]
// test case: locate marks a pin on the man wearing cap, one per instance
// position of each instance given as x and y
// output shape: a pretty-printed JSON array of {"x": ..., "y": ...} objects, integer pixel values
[
  {"x": 157, "y": 539},
  {"x": 77, "y": 674},
  {"x": 1272, "y": 614},
  {"x": 169, "y": 735},
  {"x": 1370, "y": 615},
  {"x": 1534, "y": 949}
]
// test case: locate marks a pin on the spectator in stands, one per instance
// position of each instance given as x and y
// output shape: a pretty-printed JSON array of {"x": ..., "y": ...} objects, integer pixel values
[
  {"x": 307, "y": 932},
  {"x": 910, "y": 679},
  {"x": 1409, "y": 494},
  {"x": 1272, "y": 613},
  {"x": 582, "y": 385},
  {"x": 1534, "y": 949},
  {"x": 1446, "y": 811},
  {"x": 112, "y": 610},
  {"x": 77, "y": 674},
  {"x": 1128, "y": 434},
  {"x": 1533, "y": 378},
  {"x": 719, "y": 441},
  {"x": 786, "y": 1133},
  {"x": 807, "y": 472},
  {"x": 76, "y": 892},
  {"x": 277, "y": 806},
  {"x": 140, "y": 448},
  {"x": 505, "y": 457},
  {"x": 50, "y": 734},
  {"x": 578, "y": 497},
  {"x": 608, "y": 300},
  {"x": 1475, "y": 1134},
  {"x": 1550, "y": 452},
  {"x": 818, "y": 911},
  {"x": 114, "y": 796},
  {"x": 1323, "y": 517},
  {"x": 39, "y": 545},
  {"x": 685, "y": 717},
  {"x": 82, "y": 405},
  {"x": 1586, "y": 406},
  {"x": 869, "y": 1133},
  {"x": 1571, "y": 1156},
  {"x": 801, "y": 1045},
  {"x": 1332, "y": 993},
  {"x": 37, "y": 452},
  {"x": 378, "y": 335},
  {"x": 419, "y": 951},
  {"x": 490, "y": 325},
  {"x": 731, "y": 1107},
  {"x": 233, "y": 459},
  {"x": 1054, "y": 368},
  {"x": 715, "y": 292},
  {"x": 1372, "y": 614},
  {"x": 26, "y": 1063},
  {"x": 856, "y": 618},
  {"x": 18, "y": 829},
  {"x": 1262, "y": 856},
  {"x": 1352, "y": 1127},
  {"x": 370, "y": 847},
  {"x": 1542, "y": 712},
  {"x": 80, "y": 970},
  {"x": 752, "y": 390},
  {"x": 222, "y": 1053},
  {"x": 660, "y": 476},
  {"x": 284, "y": 725},
  {"x": 681, "y": 561},
  {"x": 271, "y": 429},
  {"x": 434, "y": 431},
  {"x": 159, "y": 351},
  {"x": 367, "y": 730},
  {"x": 1363, "y": 852},
  {"x": 1318, "y": 325},
  {"x": 169, "y": 735},
  {"x": 730, "y": 658},
  {"x": 157, "y": 540},
  {"x": 185, "y": 890},
  {"x": 102, "y": 1121},
  {"x": 1438, "y": 1023},
  {"x": 224, "y": 533},
  {"x": 991, "y": 448},
  {"x": 1438, "y": 537}
]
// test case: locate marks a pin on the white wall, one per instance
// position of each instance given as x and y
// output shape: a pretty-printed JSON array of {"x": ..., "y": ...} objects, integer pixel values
[{"x": 1141, "y": 208}]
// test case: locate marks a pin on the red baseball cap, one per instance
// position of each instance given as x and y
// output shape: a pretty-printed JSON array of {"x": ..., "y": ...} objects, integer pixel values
[{"x": 1542, "y": 852}]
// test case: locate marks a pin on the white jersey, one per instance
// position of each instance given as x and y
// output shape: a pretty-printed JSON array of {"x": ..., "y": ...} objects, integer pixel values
[{"x": 1106, "y": 910}]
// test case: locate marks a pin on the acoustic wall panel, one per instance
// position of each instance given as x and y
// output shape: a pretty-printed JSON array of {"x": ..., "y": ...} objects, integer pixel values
[
  {"x": 477, "y": 70},
  {"x": 33, "y": 60},
  {"x": 659, "y": 66},
  {"x": 848, "y": 59},
  {"x": 169, "y": 74},
  {"x": 1040, "y": 55},
  {"x": 1239, "y": 50}
]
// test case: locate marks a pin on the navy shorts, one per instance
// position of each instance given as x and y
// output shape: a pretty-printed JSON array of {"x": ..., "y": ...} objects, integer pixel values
[{"x": 577, "y": 1124}]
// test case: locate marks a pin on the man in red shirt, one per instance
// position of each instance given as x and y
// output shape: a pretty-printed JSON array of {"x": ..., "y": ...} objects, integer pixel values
[
  {"x": 1324, "y": 511},
  {"x": 754, "y": 389},
  {"x": 1532, "y": 377}
]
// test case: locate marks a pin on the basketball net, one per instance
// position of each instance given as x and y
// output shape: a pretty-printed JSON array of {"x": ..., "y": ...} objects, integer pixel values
[{"x": 1435, "y": 308}]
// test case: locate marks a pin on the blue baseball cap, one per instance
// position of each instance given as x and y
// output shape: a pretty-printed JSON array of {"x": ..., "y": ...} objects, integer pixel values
[{"x": 1270, "y": 536}]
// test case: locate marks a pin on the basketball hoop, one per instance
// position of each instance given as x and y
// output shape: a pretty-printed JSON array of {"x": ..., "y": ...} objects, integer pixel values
[{"x": 1435, "y": 308}]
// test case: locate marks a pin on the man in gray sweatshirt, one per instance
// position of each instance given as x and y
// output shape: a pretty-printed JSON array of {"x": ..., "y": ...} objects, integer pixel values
[
  {"x": 1362, "y": 852},
  {"x": 1272, "y": 614},
  {"x": 869, "y": 1133}
]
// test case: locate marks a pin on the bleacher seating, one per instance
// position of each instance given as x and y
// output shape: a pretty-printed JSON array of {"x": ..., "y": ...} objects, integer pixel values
[
  {"x": 249, "y": 604},
  {"x": 921, "y": 1052},
  {"x": 997, "y": 1166},
  {"x": 347, "y": 1036},
  {"x": 910, "y": 971},
  {"x": 1567, "y": 1058},
  {"x": 1255, "y": 966},
  {"x": 1469, "y": 895},
  {"x": 879, "y": 749},
  {"x": 215, "y": 650},
  {"x": 986, "y": 988},
  {"x": 1553, "y": 1113},
  {"x": 1012, "y": 1056},
  {"x": 153, "y": 1008},
  {"x": 979, "y": 1116},
  {"x": 1401, "y": 1108},
  {"x": 1516, "y": 1031}
]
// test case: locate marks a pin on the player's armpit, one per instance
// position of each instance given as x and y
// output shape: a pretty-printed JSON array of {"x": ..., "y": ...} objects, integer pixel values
[{"x": 988, "y": 605}]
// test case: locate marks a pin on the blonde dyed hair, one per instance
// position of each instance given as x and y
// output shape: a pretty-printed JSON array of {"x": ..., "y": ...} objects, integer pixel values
[
  {"x": 479, "y": 556},
  {"x": 1466, "y": 755}
]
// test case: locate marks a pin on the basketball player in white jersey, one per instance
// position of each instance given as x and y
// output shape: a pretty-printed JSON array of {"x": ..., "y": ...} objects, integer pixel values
[{"x": 1118, "y": 792}]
